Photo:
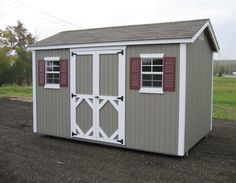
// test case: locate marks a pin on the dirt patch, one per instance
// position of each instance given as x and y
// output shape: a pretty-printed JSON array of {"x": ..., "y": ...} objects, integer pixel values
[{"x": 29, "y": 157}]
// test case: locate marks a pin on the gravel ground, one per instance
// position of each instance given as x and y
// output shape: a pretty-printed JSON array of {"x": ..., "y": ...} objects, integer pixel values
[{"x": 29, "y": 157}]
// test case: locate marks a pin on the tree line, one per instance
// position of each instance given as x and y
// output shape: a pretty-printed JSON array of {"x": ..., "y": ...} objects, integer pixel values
[{"x": 15, "y": 60}]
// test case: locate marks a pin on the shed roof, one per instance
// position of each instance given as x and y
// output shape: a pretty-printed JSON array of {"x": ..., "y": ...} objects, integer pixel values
[{"x": 158, "y": 31}]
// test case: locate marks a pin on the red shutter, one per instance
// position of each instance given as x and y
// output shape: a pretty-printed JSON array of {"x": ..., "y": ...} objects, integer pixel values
[
  {"x": 169, "y": 73},
  {"x": 135, "y": 73},
  {"x": 41, "y": 72},
  {"x": 63, "y": 73}
]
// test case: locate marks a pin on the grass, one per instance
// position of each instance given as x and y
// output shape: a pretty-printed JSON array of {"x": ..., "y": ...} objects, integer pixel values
[
  {"x": 16, "y": 91},
  {"x": 224, "y": 98}
]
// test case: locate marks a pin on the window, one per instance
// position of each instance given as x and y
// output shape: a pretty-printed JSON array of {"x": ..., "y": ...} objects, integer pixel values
[
  {"x": 52, "y": 72},
  {"x": 152, "y": 73}
]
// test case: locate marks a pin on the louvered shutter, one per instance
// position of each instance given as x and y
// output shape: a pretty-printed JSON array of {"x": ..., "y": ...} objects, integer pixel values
[
  {"x": 41, "y": 72},
  {"x": 135, "y": 73},
  {"x": 169, "y": 73},
  {"x": 63, "y": 73}
]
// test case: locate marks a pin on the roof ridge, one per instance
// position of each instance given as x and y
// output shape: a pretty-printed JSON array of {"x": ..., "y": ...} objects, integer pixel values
[{"x": 148, "y": 24}]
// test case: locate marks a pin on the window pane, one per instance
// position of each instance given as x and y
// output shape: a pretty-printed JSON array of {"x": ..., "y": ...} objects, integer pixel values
[
  {"x": 49, "y": 63},
  {"x": 56, "y": 63},
  {"x": 157, "y": 77},
  {"x": 147, "y": 83},
  {"x": 157, "y": 69},
  {"x": 147, "y": 77},
  {"x": 157, "y": 61},
  {"x": 157, "y": 84},
  {"x": 56, "y": 76},
  {"x": 146, "y": 61},
  {"x": 56, "y": 81},
  {"x": 49, "y": 68},
  {"x": 49, "y": 81},
  {"x": 49, "y": 76},
  {"x": 56, "y": 69},
  {"x": 146, "y": 68}
]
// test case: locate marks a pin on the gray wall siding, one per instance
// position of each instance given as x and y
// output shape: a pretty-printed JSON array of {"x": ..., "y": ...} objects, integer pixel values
[
  {"x": 152, "y": 119},
  {"x": 53, "y": 105},
  {"x": 198, "y": 91}
]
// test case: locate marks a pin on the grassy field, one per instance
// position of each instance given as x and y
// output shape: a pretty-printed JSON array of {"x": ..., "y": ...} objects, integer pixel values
[
  {"x": 16, "y": 91},
  {"x": 224, "y": 102}
]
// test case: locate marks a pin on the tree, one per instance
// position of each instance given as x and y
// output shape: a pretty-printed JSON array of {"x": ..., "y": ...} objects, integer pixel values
[
  {"x": 14, "y": 40},
  {"x": 5, "y": 67}
]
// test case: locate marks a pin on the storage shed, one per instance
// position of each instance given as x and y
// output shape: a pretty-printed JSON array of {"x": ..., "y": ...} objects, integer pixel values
[{"x": 145, "y": 87}]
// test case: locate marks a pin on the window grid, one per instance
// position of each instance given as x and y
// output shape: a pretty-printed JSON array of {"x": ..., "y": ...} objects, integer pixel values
[
  {"x": 52, "y": 72},
  {"x": 152, "y": 72}
]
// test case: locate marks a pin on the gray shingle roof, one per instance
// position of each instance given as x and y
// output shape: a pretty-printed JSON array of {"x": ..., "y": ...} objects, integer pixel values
[{"x": 158, "y": 31}]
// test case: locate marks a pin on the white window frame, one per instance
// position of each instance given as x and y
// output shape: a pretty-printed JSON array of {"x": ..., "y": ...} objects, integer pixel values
[
  {"x": 51, "y": 86},
  {"x": 151, "y": 89}
]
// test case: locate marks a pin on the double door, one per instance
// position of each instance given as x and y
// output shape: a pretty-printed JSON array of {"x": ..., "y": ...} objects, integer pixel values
[{"x": 98, "y": 94}]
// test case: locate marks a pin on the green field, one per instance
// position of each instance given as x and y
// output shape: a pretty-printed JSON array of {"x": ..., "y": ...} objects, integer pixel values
[
  {"x": 224, "y": 102},
  {"x": 16, "y": 91},
  {"x": 224, "y": 99}
]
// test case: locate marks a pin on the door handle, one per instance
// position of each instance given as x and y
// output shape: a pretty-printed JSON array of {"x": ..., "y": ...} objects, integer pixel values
[{"x": 96, "y": 97}]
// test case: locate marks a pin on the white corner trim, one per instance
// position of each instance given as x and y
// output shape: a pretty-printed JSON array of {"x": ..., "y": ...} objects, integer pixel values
[
  {"x": 52, "y": 86},
  {"x": 212, "y": 80},
  {"x": 51, "y": 58},
  {"x": 34, "y": 91},
  {"x": 151, "y": 90},
  {"x": 152, "y": 55},
  {"x": 182, "y": 98}
]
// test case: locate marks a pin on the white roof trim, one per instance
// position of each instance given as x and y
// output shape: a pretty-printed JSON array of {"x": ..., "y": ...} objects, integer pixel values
[
  {"x": 124, "y": 43},
  {"x": 142, "y": 42},
  {"x": 212, "y": 34}
]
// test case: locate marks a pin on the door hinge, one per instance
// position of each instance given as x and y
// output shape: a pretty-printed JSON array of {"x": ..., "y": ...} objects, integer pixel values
[
  {"x": 121, "y": 52},
  {"x": 120, "y": 98},
  {"x": 120, "y": 141},
  {"x": 73, "y": 134},
  {"x": 72, "y": 54},
  {"x": 73, "y": 95}
]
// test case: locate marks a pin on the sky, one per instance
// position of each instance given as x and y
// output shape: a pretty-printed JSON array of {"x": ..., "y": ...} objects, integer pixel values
[{"x": 44, "y": 18}]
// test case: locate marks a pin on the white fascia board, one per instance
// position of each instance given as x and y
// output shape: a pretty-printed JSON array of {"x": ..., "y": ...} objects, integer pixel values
[
  {"x": 124, "y": 43},
  {"x": 182, "y": 99},
  {"x": 34, "y": 91}
]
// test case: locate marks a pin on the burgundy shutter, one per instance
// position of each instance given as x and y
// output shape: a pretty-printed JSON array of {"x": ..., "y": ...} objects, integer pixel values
[
  {"x": 63, "y": 73},
  {"x": 169, "y": 73},
  {"x": 135, "y": 73},
  {"x": 41, "y": 72}
]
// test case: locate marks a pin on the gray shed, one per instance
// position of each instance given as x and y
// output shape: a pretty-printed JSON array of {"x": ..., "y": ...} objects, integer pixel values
[{"x": 145, "y": 87}]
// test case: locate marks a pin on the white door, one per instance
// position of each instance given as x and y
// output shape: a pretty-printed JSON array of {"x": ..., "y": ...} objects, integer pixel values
[{"x": 98, "y": 94}]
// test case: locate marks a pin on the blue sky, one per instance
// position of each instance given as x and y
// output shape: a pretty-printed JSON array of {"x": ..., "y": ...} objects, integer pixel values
[{"x": 47, "y": 17}]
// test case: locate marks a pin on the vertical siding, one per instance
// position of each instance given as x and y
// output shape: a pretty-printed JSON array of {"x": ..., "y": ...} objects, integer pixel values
[
  {"x": 198, "y": 94},
  {"x": 53, "y": 105},
  {"x": 152, "y": 119}
]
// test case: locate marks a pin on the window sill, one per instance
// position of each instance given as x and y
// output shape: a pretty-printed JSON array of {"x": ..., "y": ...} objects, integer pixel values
[
  {"x": 52, "y": 86},
  {"x": 151, "y": 90}
]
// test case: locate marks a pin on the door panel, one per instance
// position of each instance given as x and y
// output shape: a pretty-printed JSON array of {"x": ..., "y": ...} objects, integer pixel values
[
  {"x": 84, "y": 74},
  {"x": 84, "y": 116},
  {"x": 108, "y": 74}
]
